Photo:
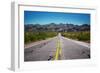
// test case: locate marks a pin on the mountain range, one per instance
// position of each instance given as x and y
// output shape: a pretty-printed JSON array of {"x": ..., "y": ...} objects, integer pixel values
[{"x": 52, "y": 27}]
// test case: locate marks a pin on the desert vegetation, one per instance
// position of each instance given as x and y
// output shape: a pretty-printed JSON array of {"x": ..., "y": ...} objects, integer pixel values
[
  {"x": 81, "y": 36},
  {"x": 37, "y": 36}
]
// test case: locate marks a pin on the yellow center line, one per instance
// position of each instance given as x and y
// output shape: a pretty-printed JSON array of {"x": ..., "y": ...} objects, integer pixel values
[{"x": 58, "y": 50}]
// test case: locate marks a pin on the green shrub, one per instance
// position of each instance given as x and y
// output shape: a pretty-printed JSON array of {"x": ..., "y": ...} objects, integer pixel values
[
  {"x": 81, "y": 36},
  {"x": 37, "y": 36}
]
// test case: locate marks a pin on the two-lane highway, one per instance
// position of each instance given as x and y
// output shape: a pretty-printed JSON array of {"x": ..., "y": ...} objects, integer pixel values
[{"x": 58, "y": 48}]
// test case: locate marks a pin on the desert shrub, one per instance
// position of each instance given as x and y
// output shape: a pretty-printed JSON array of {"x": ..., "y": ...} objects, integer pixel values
[
  {"x": 37, "y": 36},
  {"x": 81, "y": 36}
]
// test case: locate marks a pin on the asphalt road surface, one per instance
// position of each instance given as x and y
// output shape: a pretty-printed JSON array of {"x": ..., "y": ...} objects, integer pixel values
[{"x": 57, "y": 48}]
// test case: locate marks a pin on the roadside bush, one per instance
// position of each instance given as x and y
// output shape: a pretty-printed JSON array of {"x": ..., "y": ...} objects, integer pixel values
[
  {"x": 81, "y": 36},
  {"x": 37, "y": 36}
]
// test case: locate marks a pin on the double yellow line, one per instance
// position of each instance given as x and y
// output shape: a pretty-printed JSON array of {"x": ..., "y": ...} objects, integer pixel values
[{"x": 58, "y": 50}]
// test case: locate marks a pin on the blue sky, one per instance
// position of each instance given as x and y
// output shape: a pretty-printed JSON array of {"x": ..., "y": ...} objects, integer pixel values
[{"x": 36, "y": 17}]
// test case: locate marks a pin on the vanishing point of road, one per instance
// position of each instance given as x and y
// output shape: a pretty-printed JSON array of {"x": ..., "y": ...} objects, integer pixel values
[{"x": 57, "y": 48}]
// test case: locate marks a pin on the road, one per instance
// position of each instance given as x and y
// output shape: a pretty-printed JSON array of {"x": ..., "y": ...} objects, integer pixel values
[{"x": 57, "y": 48}]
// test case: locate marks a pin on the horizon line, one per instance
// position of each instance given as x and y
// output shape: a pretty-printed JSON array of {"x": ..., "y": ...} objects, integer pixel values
[{"x": 54, "y": 23}]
